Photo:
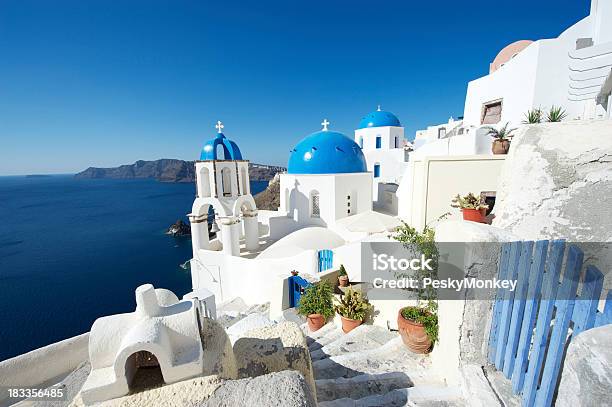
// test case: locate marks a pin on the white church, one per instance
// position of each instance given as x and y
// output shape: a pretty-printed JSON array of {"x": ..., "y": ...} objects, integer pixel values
[{"x": 339, "y": 191}]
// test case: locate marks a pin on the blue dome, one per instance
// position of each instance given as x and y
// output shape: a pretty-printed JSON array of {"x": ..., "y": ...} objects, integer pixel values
[
  {"x": 230, "y": 149},
  {"x": 326, "y": 152},
  {"x": 379, "y": 118}
]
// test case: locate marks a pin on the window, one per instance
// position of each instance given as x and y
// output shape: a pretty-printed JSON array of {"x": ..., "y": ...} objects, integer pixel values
[
  {"x": 378, "y": 142},
  {"x": 361, "y": 141},
  {"x": 396, "y": 142},
  {"x": 442, "y": 132},
  {"x": 491, "y": 112},
  {"x": 315, "y": 210},
  {"x": 376, "y": 170}
]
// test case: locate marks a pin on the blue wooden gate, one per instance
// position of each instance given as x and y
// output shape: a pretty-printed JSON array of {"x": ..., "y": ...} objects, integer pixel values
[
  {"x": 532, "y": 360},
  {"x": 326, "y": 260},
  {"x": 297, "y": 285}
]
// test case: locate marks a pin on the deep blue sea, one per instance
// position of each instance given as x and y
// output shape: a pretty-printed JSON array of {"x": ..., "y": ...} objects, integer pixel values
[{"x": 72, "y": 250}]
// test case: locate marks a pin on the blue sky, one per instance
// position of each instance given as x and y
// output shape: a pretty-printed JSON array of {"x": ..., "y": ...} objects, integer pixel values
[{"x": 104, "y": 83}]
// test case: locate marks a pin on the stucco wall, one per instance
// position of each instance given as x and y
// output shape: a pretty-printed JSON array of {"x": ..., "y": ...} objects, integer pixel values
[{"x": 429, "y": 184}]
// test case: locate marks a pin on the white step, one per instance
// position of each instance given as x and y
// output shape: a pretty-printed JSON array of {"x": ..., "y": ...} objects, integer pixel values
[
  {"x": 361, "y": 386},
  {"x": 418, "y": 396},
  {"x": 390, "y": 357},
  {"x": 362, "y": 338}
]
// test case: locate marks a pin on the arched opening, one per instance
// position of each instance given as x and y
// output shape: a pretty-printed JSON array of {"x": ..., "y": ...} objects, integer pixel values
[
  {"x": 220, "y": 152},
  {"x": 226, "y": 181},
  {"x": 287, "y": 202},
  {"x": 315, "y": 205},
  {"x": 203, "y": 183},
  {"x": 244, "y": 180},
  {"x": 143, "y": 371}
]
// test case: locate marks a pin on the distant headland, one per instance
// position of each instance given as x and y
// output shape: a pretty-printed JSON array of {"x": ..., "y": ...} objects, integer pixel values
[{"x": 169, "y": 170}]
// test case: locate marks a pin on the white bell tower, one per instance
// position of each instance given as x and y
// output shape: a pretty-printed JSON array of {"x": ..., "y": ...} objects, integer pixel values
[{"x": 222, "y": 182}]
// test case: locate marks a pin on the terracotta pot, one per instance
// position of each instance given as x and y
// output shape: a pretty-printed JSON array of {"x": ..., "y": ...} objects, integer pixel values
[
  {"x": 413, "y": 335},
  {"x": 349, "y": 324},
  {"x": 500, "y": 146},
  {"x": 343, "y": 281},
  {"x": 315, "y": 322},
  {"x": 473, "y": 215}
]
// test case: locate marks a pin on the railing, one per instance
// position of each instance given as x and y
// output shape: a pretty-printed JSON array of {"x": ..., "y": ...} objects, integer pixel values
[{"x": 532, "y": 359}]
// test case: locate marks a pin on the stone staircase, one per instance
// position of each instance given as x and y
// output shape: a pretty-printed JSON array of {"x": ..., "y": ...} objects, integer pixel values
[{"x": 369, "y": 366}]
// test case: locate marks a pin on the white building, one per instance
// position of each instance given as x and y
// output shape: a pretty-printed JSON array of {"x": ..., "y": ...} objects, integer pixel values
[
  {"x": 326, "y": 180},
  {"x": 569, "y": 71},
  {"x": 222, "y": 179},
  {"x": 381, "y": 137}
]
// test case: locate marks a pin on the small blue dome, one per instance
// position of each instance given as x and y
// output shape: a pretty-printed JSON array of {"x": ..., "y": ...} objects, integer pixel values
[
  {"x": 379, "y": 118},
  {"x": 230, "y": 149},
  {"x": 326, "y": 152}
]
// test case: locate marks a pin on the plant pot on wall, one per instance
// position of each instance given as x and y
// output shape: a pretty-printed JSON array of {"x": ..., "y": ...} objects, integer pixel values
[
  {"x": 349, "y": 324},
  {"x": 413, "y": 335},
  {"x": 500, "y": 146},
  {"x": 315, "y": 322},
  {"x": 473, "y": 215}
]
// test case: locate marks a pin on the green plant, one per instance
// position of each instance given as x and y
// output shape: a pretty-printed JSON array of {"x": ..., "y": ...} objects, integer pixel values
[
  {"x": 556, "y": 114},
  {"x": 533, "y": 116},
  {"x": 425, "y": 243},
  {"x": 317, "y": 299},
  {"x": 342, "y": 271},
  {"x": 469, "y": 201},
  {"x": 502, "y": 133},
  {"x": 423, "y": 316},
  {"x": 353, "y": 305}
]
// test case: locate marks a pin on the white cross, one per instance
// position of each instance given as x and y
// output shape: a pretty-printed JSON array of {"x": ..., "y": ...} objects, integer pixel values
[
  {"x": 378, "y": 108},
  {"x": 219, "y": 126},
  {"x": 325, "y": 123}
]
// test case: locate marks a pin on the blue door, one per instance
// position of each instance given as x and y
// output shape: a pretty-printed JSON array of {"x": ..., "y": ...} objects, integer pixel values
[
  {"x": 326, "y": 260},
  {"x": 297, "y": 286},
  {"x": 376, "y": 170},
  {"x": 378, "y": 142}
]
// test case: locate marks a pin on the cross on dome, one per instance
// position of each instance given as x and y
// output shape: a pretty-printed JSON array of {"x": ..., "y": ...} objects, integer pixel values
[
  {"x": 378, "y": 109},
  {"x": 219, "y": 127},
  {"x": 325, "y": 123}
]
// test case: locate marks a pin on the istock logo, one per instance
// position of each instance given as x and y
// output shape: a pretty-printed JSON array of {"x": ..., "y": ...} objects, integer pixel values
[{"x": 385, "y": 262}]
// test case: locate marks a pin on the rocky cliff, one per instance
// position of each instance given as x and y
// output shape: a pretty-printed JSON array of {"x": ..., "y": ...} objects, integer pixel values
[
  {"x": 169, "y": 170},
  {"x": 269, "y": 198}
]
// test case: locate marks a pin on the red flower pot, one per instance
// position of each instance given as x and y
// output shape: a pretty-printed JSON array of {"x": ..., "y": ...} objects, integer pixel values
[
  {"x": 349, "y": 324},
  {"x": 413, "y": 335},
  {"x": 474, "y": 215},
  {"x": 315, "y": 322}
]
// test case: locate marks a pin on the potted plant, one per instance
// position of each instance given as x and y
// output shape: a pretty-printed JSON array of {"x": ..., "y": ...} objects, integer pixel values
[
  {"x": 353, "y": 308},
  {"x": 556, "y": 114},
  {"x": 294, "y": 273},
  {"x": 317, "y": 305},
  {"x": 501, "y": 142},
  {"x": 343, "y": 279},
  {"x": 533, "y": 116},
  {"x": 473, "y": 208},
  {"x": 418, "y": 325}
]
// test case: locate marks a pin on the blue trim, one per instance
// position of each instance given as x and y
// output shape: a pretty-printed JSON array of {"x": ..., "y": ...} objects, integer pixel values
[
  {"x": 376, "y": 170},
  {"x": 378, "y": 141},
  {"x": 229, "y": 148},
  {"x": 379, "y": 118},
  {"x": 326, "y": 152}
]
